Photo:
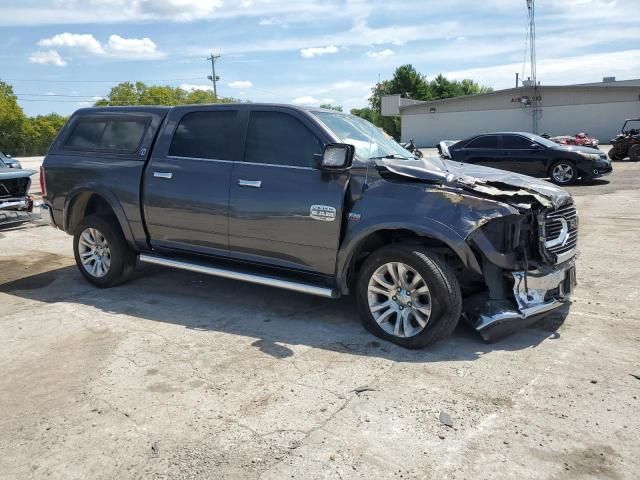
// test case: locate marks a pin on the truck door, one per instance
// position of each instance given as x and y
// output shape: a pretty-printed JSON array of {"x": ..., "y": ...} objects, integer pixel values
[
  {"x": 283, "y": 210},
  {"x": 186, "y": 184}
]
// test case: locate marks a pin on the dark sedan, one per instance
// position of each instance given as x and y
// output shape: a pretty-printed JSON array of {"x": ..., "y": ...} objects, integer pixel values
[{"x": 530, "y": 155}]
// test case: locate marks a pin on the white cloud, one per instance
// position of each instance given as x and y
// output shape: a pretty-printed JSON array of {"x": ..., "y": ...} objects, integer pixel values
[
  {"x": 50, "y": 57},
  {"x": 271, "y": 21},
  {"x": 118, "y": 46},
  {"x": 83, "y": 41},
  {"x": 189, "y": 87},
  {"x": 50, "y": 94},
  {"x": 559, "y": 71},
  {"x": 387, "y": 52},
  {"x": 309, "y": 100},
  {"x": 316, "y": 51},
  {"x": 178, "y": 10},
  {"x": 241, "y": 84}
]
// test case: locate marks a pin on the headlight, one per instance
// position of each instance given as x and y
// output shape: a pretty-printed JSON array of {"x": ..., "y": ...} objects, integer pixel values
[{"x": 590, "y": 156}]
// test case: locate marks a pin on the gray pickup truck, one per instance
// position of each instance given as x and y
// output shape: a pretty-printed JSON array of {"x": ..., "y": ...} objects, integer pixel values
[{"x": 314, "y": 201}]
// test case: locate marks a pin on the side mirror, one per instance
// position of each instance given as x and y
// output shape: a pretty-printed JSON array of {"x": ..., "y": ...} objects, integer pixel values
[
  {"x": 337, "y": 156},
  {"x": 536, "y": 146}
]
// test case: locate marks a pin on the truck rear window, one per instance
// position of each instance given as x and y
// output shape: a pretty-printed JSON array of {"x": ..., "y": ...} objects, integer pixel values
[{"x": 121, "y": 135}]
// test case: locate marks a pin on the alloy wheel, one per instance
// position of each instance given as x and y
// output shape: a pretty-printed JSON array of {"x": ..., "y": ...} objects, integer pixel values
[
  {"x": 94, "y": 252},
  {"x": 399, "y": 299},
  {"x": 562, "y": 173}
]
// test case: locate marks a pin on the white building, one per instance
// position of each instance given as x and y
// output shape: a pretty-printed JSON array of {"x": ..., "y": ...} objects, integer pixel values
[{"x": 596, "y": 108}]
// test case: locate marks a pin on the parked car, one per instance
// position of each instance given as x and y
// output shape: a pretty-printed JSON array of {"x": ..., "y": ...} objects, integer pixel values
[
  {"x": 627, "y": 142},
  {"x": 582, "y": 139},
  {"x": 9, "y": 161},
  {"x": 14, "y": 189},
  {"x": 314, "y": 201},
  {"x": 529, "y": 154}
]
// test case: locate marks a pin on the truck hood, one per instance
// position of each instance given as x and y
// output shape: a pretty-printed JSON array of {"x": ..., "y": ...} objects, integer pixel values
[
  {"x": 10, "y": 173},
  {"x": 508, "y": 186}
]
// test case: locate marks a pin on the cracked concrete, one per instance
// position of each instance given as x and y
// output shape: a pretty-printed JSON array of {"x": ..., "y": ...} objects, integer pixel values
[{"x": 177, "y": 375}]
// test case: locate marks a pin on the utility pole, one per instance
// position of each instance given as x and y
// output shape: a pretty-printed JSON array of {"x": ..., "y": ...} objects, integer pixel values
[
  {"x": 213, "y": 76},
  {"x": 535, "y": 94}
]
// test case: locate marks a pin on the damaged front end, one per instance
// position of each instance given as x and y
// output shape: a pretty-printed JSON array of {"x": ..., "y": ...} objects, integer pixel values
[
  {"x": 529, "y": 274},
  {"x": 14, "y": 188},
  {"x": 527, "y": 254}
]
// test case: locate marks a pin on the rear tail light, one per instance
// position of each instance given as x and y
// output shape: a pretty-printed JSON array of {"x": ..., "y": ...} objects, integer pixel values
[{"x": 43, "y": 182}]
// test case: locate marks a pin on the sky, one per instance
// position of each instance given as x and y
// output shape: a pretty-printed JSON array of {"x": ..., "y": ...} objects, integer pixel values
[{"x": 61, "y": 55}]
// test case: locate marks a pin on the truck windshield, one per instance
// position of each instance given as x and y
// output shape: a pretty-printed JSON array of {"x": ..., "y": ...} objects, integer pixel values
[{"x": 368, "y": 140}]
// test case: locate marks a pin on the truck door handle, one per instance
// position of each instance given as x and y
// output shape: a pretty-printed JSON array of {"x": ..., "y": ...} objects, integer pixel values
[
  {"x": 166, "y": 175},
  {"x": 250, "y": 183}
]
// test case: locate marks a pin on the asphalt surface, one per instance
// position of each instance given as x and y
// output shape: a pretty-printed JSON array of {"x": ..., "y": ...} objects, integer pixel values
[{"x": 179, "y": 375}]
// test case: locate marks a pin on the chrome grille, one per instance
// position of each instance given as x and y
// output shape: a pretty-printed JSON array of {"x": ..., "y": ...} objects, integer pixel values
[{"x": 560, "y": 234}]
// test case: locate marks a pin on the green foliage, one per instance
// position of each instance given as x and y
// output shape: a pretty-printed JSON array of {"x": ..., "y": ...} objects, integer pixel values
[
  {"x": 328, "y": 106},
  {"x": 12, "y": 120},
  {"x": 39, "y": 132},
  {"x": 128, "y": 93},
  {"x": 367, "y": 113},
  {"x": 409, "y": 83}
]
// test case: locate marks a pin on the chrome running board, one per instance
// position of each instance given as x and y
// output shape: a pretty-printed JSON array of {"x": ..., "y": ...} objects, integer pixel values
[{"x": 242, "y": 276}]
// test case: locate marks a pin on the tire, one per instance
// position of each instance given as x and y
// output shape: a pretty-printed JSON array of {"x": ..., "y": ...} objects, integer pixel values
[
  {"x": 418, "y": 153},
  {"x": 442, "y": 296},
  {"x": 634, "y": 152},
  {"x": 613, "y": 155},
  {"x": 121, "y": 258},
  {"x": 563, "y": 172}
]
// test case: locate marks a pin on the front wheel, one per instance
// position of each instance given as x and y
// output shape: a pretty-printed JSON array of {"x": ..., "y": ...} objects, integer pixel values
[
  {"x": 563, "y": 172},
  {"x": 634, "y": 153},
  {"x": 102, "y": 254},
  {"x": 613, "y": 155},
  {"x": 408, "y": 295}
]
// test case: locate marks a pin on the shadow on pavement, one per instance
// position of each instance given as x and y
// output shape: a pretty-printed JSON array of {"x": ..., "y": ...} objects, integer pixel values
[
  {"x": 272, "y": 318},
  {"x": 591, "y": 183}
]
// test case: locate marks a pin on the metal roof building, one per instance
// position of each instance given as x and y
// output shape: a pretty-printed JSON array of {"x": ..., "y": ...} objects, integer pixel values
[{"x": 597, "y": 108}]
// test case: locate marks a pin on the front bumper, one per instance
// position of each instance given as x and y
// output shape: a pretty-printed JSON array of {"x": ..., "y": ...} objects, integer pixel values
[
  {"x": 18, "y": 203},
  {"x": 544, "y": 291},
  {"x": 599, "y": 169}
]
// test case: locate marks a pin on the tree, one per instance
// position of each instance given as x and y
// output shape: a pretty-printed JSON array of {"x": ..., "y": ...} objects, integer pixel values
[
  {"x": 12, "y": 120},
  {"x": 39, "y": 132},
  {"x": 409, "y": 83},
  {"x": 367, "y": 113},
  {"x": 441, "y": 87},
  {"x": 328, "y": 106},
  {"x": 128, "y": 93}
]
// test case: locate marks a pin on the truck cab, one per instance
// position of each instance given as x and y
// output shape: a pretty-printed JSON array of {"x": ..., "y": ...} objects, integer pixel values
[{"x": 315, "y": 201}]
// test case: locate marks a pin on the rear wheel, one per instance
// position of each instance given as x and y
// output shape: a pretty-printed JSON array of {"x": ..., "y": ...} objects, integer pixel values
[
  {"x": 101, "y": 251},
  {"x": 408, "y": 295},
  {"x": 563, "y": 172},
  {"x": 634, "y": 153}
]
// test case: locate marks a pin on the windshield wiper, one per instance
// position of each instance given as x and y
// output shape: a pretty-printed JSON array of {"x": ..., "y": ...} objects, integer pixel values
[{"x": 390, "y": 156}]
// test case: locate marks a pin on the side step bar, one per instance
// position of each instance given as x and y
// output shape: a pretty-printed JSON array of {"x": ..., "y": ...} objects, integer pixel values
[{"x": 235, "y": 275}]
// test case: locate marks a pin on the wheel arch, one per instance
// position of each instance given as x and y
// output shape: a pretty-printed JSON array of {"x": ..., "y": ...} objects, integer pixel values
[
  {"x": 364, "y": 244},
  {"x": 88, "y": 201}
]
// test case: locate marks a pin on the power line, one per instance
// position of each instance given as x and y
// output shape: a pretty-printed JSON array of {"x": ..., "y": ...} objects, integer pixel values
[{"x": 102, "y": 81}]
